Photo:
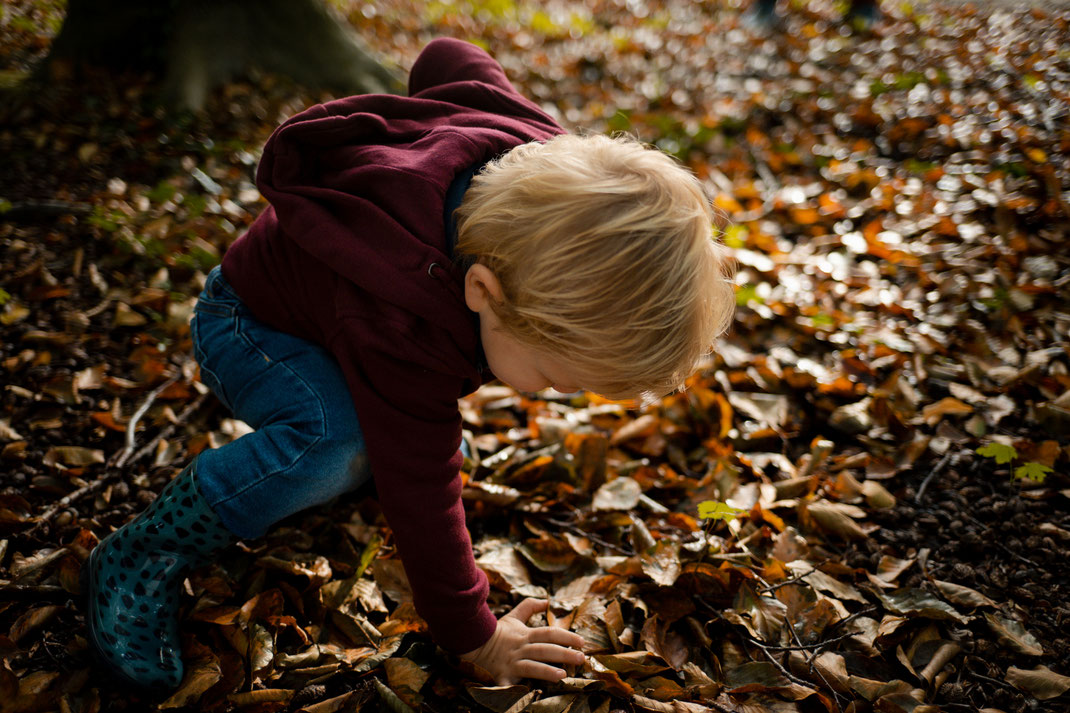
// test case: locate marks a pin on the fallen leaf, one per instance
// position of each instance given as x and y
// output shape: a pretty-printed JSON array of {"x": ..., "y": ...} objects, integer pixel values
[
  {"x": 1013, "y": 635},
  {"x": 73, "y": 456},
  {"x": 1041, "y": 682},
  {"x": 621, "y": 493}
]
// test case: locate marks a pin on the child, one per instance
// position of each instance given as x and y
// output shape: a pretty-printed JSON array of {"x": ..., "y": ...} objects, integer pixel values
[{"x": 416, "y": 247}]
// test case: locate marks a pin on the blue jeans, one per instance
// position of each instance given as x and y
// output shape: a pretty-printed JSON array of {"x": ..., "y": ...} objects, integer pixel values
[{"x": 307, "y": 447}]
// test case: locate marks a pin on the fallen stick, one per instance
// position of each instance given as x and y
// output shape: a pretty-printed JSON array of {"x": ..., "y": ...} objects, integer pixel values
[
  {"x": 932, "y": 474},
  {"x": 115, "y": 470},
  {"x": 32, "y": 591},
  {"x": 166, "y": 432},
  {"x": 131, "y": 427}
]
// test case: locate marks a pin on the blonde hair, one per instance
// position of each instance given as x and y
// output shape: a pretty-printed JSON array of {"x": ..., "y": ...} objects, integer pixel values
[{"x": 606, "y": 256}]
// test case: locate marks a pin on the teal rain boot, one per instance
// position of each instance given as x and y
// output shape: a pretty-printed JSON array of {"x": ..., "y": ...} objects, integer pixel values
[{"x": 134, "y": 576}]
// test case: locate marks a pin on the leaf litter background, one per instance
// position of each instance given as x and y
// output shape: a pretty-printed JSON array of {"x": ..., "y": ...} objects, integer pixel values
[{"x": 898, "y": 202}]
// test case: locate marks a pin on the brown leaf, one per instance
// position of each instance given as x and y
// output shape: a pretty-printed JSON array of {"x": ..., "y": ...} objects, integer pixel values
[
  {"x": 612, "y": 680},
  {"x": 836, "y": 519},
  {"x": 331, "y": 705},
  {"x": 763, "y": 616},
  {"x": 1041, "y": 682},
  {"x": 944, "y": 407},
  {"x": 1013, "y": 635},
  {"x": 588, "y": 621},
  {"x": 660, "y": 641},
  {"x": 889, "y": 568},
  {"x": 201, "y": 674},
  {"x": 402, "y": 620},
  {"x": 504, "y": 565},
  {"x": 755, "y": 676},
  {"x": 621, "y": 493},
  {"x": 662, "y": 564},
  {"x": 908, "y": 602},
  {"x": 406, "y": 679},
  {"x": 223, "y": 615},
  {"x": 548, "y": 554},
  {"x": 32, "y": 620},
  {"x": 262, "y": 605},
  {"x": 261, "y": 652},
  {"x": 963, "y": 596},
  {"x": 315, "y": 567},
  {"x": 9, "y": 683},
  {"x": 72, "y": 455},
  {"x": 633, "y": 663},
  {"x": 500, "y": 699},
  {"x": 261, "y": 696}
]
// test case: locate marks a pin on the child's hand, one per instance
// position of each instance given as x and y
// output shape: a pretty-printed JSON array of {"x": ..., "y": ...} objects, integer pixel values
[{"x": 517, "y": 651}]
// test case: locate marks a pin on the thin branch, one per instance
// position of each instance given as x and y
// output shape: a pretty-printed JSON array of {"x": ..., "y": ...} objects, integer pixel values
[
  {"x": 780, "y": 667},
  {"x": 932, "y": 474},
  {"x": 170, "y": 429},
  {"x": 808, "y": 647},
  {"x": 32, "y": 591},
  {"x": 792, "y": 580},
  {"x": 131, "y": 427},
  {"x": 982, "y": 677},
  {"x": 852, "y": 617},
  {"x": 124, "y": 458},
  {"x": 576, "y": 530},
  {"x": 69, "y": 498},
  {"x": 814, "y": 669},
  {"x": 1000, "y": 545}
]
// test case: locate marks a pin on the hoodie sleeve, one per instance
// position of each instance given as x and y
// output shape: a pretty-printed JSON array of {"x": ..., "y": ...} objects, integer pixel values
[
  {"x": 412, "y": 431},
  {"x": 446, "y": 60}
]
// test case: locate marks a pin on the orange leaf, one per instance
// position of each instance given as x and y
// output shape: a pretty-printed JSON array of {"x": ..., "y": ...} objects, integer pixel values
[{"x": 944, "y": 407}]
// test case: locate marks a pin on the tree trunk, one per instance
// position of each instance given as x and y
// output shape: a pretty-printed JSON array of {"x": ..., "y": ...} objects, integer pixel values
[{"x": 197, "y": 45}]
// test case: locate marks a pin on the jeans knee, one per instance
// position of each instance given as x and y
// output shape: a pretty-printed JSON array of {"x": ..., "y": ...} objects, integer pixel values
[{"x": 338, "y": 466}]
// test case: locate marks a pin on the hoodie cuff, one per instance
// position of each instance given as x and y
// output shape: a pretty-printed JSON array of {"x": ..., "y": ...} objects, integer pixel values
[{"x": 464, "y": 635}]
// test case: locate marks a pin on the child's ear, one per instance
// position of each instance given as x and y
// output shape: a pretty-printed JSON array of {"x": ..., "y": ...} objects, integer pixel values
[{"x": 480, "y": 286}]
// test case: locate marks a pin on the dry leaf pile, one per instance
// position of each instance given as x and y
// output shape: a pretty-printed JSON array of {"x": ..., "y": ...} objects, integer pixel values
[{"x": 859, "y": 504}]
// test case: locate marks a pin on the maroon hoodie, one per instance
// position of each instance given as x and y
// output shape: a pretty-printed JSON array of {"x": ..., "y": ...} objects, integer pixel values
[{"x": 352, "y": 254}]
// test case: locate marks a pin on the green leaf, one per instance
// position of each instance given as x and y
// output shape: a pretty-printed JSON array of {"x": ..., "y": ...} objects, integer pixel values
[
  {"x": 714, "y": 510},
  {"x": 4, "y": 297},
  {"x": 1000, "y": 451},
  {"x": 1036, "y": 472},
  {"x": 746, "y": 293},
  {"x": 735, "y": 235}
]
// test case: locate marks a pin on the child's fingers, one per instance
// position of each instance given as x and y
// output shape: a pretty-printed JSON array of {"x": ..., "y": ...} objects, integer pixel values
[
  {"x": 552, "y": 653},
  {"x": 534, "y": 669},
  {"x": 528, "y": 608},
  {"x": 554, "y": 635}
]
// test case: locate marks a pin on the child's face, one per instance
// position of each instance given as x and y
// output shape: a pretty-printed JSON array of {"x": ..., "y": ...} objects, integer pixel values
[{"x": 518, "y": 365}]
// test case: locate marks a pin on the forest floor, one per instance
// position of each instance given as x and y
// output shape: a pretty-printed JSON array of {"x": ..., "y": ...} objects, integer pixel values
[{"x": 859, "y": 505}]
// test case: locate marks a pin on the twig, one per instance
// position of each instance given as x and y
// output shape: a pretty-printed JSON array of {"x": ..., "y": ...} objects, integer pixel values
[
  {"x": 807, "y": 647},
  {"x": 69, "y": 498},
  {"x": 166, "y": 432},
  {"x": 813, "y": 668},
  {"x": 32, "y": 591},
  {"x": 772, "y": 587},
  {"x": 22, "y": 209},
  {"x": 852, "y": 617},
  {"x": 1000, "y": 545},
  {"x": 991, "y": 680},
  {"x": 593, "y": 538},
  {"x": 131, "y": 427},
  {"x": 780, "y": 667},
  {"x": 932, "y": 474},
  {"x": 124, "y": 459},
  {"x": 767, "y": 650}
]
